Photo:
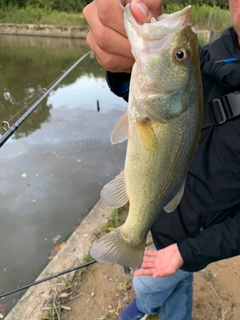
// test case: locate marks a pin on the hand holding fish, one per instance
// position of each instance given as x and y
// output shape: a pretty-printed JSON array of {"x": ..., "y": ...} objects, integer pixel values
[
  {"x": 160, "y": 263},
  {"x": 107, "y": 36}
]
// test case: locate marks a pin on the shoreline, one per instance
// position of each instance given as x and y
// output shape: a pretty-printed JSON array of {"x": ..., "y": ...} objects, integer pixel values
[
  {"x": 73, "y": 252},
  {"x": 47, "y": 30},
  {"x": 68, "y": 31}
]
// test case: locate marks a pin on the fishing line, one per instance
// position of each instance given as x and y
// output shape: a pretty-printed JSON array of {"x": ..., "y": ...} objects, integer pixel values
[
  {"x": 14, "y": 127},
  {"x": 5, "y": 124}
]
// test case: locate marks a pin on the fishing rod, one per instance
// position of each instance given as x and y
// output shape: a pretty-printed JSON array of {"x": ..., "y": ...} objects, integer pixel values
[
  {"x": 56, "y": 275},
  {"x": 47, "y": 278},
  {"x": 15, "y": 126}
]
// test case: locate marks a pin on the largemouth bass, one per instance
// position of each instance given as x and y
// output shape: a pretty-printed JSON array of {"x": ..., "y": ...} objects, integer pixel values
[{"x": 162, "y": 124}]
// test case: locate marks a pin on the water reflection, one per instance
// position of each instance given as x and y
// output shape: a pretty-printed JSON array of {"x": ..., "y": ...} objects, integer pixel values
[
  {"x": 23, "y": 76},
  {"x": 53, "y": 168}
]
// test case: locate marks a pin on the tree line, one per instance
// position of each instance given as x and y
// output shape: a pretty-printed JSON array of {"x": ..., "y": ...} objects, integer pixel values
[
  {"x": 78, "y": 5},
  {"x": 59, "y": 5},
  {"x": 211, "y": 3}
]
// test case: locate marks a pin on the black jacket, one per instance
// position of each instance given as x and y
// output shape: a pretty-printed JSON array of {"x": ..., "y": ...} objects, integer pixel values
[{"x": 206, "y": 223}]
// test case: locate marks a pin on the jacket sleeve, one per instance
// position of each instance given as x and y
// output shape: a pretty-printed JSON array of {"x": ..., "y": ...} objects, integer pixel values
[
  {"x": 204, "y": 55},
  {"x": 217, "y": 242},
  {"x": 119, "y": 83}
]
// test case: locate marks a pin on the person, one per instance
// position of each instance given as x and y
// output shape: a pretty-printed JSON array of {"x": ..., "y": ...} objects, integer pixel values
[{"x": 205, "y": 227}]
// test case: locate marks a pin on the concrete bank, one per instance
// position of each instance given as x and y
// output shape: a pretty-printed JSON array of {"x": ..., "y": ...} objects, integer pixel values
[
  {"x": 72, "y": 254},
  {"x": 48, "y": 30},
  {"x": 69, "y": 31}
]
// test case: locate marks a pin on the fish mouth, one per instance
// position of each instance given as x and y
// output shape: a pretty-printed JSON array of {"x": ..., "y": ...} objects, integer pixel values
[
  {"x": 180, "y": 17},
  {"x": 160, "y": 26}
]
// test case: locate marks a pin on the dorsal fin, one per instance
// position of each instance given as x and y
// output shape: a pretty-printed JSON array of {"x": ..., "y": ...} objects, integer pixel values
[{"x": 172, "y": 205}]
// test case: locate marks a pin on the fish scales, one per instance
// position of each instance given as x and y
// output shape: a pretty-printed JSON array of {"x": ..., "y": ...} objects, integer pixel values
[
  {"x": 163, "y": 122},
  {"x": 142, "y": 189}
]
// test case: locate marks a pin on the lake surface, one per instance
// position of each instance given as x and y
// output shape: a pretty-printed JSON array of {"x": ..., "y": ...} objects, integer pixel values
[{"x": 55, "y": 165}]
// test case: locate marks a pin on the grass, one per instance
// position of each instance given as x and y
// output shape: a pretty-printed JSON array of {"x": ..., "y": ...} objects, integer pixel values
[
  {"x": 201, "y": 39},
  {"x": 206, "y": 17},
  {"x": 87, "y": 258},
  {"x": 118, "y": 216},
  {"x": 36, "y": 15},
  {"x": 123, "y": 286},
  {"x": 61, "y": 294},
  {"x": 203, "y": 16},
  {"x": 208, "y": 276}
]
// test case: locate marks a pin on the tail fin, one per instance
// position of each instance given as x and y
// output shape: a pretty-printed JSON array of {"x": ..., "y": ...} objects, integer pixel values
[{"x": 113, "y": 248}]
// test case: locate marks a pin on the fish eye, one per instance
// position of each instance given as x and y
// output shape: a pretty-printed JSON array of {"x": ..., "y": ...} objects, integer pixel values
[{"x": 181, "y": 55}]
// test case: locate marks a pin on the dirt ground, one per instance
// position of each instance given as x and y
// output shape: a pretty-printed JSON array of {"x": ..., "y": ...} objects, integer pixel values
[
  {"x": 99, "y": 292},
  {"x": 102, "y": 292}
]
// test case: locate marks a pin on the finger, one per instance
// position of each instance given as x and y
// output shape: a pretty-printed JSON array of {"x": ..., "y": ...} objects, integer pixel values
[
  {"x": 111, "y": 41},
  {"x": 90, "y": 41},
  {"x": 148, "y": 265},
  {"x": 147, "y": 272},
  {"x": 149, "y": 259},
  {"x": 141, "y": 13},
  {"x": 115, "y": 63},
  {"x": 157, "y": 275},
  {"x": 154, "y": 6},
  {"x": 163, "y": 272},
  {"x": 110, "y": 62},
  {"x": 150, "y": 253},
  {"x": 143, "y": 10},
  {"x": 111, "y": 15},
  {"x": 105, "y": 37}
]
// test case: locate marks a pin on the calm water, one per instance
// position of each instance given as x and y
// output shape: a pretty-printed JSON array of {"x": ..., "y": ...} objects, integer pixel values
[{"x": 53, "y": 168}]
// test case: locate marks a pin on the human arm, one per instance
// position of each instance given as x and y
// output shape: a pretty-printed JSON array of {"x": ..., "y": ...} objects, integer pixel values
[{"x": 217, "y": 242}]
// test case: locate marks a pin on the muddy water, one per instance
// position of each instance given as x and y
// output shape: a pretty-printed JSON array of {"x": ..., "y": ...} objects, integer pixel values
[{"x": 53, "y": 168}]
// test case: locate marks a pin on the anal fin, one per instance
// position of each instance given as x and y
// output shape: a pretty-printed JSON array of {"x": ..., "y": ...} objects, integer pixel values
[
  {"x": 114, "y": 192},
  {"x": 172, "y": 205}
]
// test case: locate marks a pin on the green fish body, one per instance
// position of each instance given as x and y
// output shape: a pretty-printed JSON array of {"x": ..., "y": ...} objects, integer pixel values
[{"x": 162, "y": 124}]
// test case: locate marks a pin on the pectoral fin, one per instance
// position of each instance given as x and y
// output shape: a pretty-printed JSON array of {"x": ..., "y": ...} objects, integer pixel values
[
  {"x": 172, "y": 205},
  {"x": 120, "y": 130},
  {"x": 114, "y": 193},
  {"x": 147, "y": 135}
]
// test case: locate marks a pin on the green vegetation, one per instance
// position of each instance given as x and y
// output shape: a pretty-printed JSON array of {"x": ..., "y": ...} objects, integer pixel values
[
  {"x": 201, "y": 40},
  {"x": 207, "y": 15},
  {"x": 118, "y": 217},
  {"x": 39, "y": 15},
  {"x": 211, "y": 3},
  {"x": 59, "y": 5},
  {"x": 87, "y": 258},
  {"x": 208, "y": 276},
  {"x": 153, "y": 317}
]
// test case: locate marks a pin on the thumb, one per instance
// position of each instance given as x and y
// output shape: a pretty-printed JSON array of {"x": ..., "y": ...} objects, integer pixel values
[{"x": 144, "y": 10}]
